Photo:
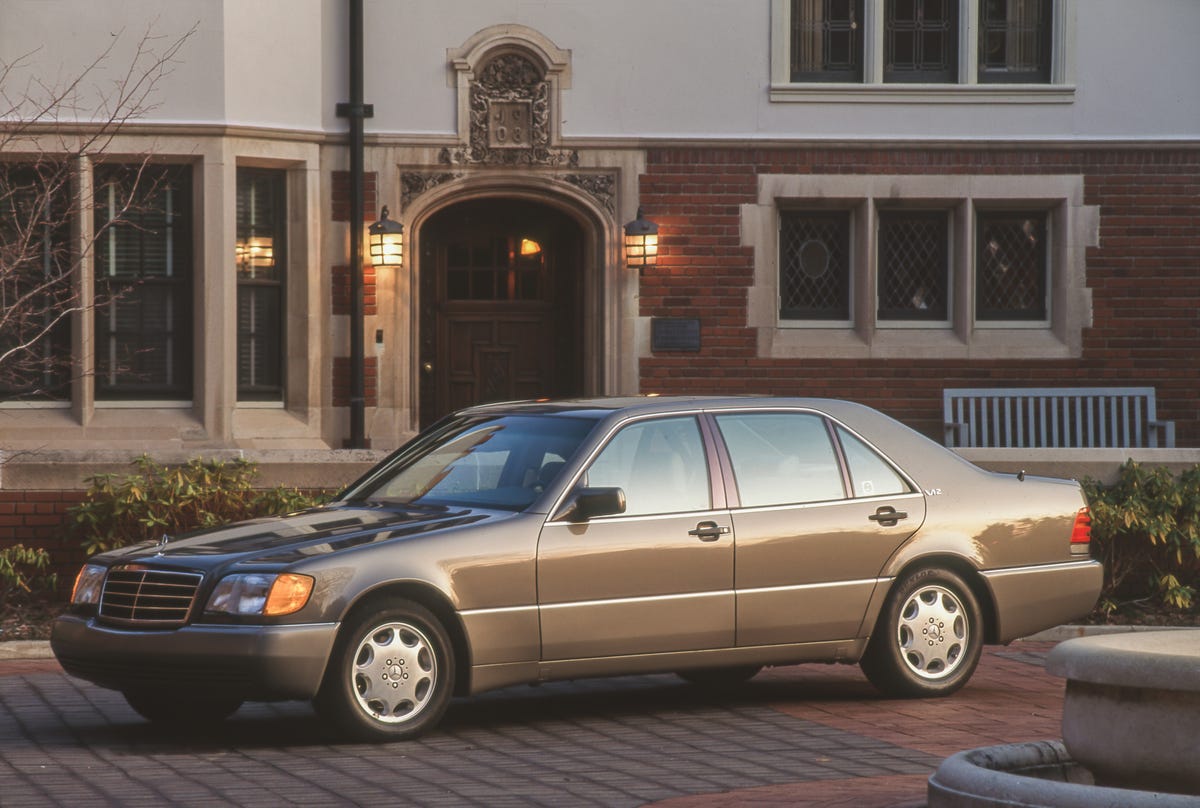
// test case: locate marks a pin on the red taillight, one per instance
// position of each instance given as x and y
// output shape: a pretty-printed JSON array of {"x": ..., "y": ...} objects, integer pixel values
[{"x": 1082, "y": 532}]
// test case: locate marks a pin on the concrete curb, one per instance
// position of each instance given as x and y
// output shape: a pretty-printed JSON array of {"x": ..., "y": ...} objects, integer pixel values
[{"x": 25, "y": 649}]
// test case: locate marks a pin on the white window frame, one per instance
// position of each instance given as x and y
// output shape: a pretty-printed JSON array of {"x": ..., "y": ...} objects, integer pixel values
[
  {"x": 968, "y": 89},
  {"x": 1072, "y": 226}
]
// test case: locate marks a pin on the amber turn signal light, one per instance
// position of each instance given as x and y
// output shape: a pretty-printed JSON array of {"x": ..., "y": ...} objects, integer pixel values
[{"x": 288, "y": 594}]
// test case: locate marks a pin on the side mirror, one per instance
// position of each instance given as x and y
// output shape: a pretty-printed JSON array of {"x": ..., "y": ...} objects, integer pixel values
[{"x": 588, "y": 503}]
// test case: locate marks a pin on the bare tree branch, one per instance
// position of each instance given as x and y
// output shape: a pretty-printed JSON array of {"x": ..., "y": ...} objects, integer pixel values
[{"x": 44, "y": 131}]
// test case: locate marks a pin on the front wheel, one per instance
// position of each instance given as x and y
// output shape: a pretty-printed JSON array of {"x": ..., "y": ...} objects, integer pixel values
[
  {"x": 390, "y": 676},
  {"x": 928, "y": 638}
]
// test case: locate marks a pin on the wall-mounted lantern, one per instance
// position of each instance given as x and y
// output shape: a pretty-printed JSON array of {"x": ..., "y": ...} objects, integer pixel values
[
  {"x": 254, "y": 253},
  {"x": 386, "y": 239},
  {"x": 641, "y": 243}
]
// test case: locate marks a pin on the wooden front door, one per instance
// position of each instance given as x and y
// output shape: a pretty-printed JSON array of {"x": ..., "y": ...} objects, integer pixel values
[{"x": 500, "y": 305}]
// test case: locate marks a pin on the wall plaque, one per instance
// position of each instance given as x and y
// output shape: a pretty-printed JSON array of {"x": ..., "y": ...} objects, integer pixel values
[{"x": 674, "y": 334}]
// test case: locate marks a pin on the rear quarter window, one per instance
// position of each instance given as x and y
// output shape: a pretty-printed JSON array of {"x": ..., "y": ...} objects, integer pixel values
[{"x": 870, "y": 474}]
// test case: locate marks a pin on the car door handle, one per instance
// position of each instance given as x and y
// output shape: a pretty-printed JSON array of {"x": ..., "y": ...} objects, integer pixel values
[
  {"x": 708, "y": 531},
  {"x": 887, "y": 516}
]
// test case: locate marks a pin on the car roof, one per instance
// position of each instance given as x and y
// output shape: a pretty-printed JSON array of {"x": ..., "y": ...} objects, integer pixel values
[
  {"x": 604, "y": 405},
  {"x": 895, "y": 439}
]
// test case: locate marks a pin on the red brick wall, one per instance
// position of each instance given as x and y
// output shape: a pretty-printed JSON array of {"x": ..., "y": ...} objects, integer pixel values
[
  {"x": 38, "y": 519},
  {"x": 340, "y": 286},
  {"x": 341, "y": 381},
  {"x": 340, "y": 191},
  {"x": 341, "y": 290},
  {"x": 1144, "y": 277}
]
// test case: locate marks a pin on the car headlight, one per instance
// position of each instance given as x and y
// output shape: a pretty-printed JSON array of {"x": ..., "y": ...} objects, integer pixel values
[
  {"x": 88, "y": 585},
  {"x": 261, "y": 594}
]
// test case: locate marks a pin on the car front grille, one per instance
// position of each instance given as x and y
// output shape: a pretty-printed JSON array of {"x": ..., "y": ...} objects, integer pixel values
[{"x": 157, "y": 598}]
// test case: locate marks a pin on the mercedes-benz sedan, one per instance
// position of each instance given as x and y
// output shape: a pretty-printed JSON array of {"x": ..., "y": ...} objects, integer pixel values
[{"x": 528, "y": 542}]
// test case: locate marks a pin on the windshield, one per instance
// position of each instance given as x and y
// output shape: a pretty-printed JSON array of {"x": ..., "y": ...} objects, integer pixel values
[{"x": 500, "y": 462}]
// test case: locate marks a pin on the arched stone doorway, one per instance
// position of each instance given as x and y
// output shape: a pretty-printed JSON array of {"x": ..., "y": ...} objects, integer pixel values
[{"x": 501, "y": 304}]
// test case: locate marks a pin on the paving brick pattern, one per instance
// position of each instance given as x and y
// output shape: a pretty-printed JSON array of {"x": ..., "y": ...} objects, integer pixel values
[{"x": 808, "y": 735}]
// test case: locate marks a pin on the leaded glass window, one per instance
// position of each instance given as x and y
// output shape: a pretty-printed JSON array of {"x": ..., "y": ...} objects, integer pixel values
[
  {"x": 1015, "y": 40},
  {"x": 1010, "y": 266},
  {"x": 260, "y": 261},
  {"x": 920, "y": 41},
  {"x": 914, "y": 276},
  {"x": 827, "y": 40},
  {"x": 143, "y": 282},
  {"x": 814, "y": 265}
]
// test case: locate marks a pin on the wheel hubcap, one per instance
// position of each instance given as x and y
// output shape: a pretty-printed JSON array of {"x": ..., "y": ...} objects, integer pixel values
[
  {"x": 933, "y": 632},
  {"x": 394, "y": 672}
]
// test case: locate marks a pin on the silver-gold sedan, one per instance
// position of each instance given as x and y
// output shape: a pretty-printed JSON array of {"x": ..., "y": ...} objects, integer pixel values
[{"x": 536, "y": 541}]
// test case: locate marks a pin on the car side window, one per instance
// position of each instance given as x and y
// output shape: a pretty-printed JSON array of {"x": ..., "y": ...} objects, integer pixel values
[
  {"x": 870, "y": 474},
  {"x": 781, "y": 458},
  {"x": 660, "y": 465}
]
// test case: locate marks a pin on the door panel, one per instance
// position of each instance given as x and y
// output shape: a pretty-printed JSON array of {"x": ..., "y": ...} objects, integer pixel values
[
  {"x": 808, "y": 553},
  {"x": 658, "y": 578},
  {"x": 806, "y": 573},
  {"x": 500, "y": 312},
  {"x": 634, "y": 586}
]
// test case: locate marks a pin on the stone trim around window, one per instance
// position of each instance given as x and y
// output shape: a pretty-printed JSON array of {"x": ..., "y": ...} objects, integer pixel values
[
  {"x": 1072, "y": 228},
  {"x": 967, "y": 90}
]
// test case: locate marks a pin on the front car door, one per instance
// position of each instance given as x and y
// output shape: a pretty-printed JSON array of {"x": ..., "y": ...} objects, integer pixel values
[
  {"x": 656, "y": 578},
  {"x": 817, "y": 513}
]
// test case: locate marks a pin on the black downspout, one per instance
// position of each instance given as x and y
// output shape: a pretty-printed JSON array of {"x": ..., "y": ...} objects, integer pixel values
[{"x": 356, "y": 111}]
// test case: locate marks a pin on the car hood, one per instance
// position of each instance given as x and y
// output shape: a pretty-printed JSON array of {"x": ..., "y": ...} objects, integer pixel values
[{"x": 287, "y": 539}]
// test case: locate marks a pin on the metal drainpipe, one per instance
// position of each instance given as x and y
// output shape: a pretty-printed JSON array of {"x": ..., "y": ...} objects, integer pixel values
[{"x": 356, "y": 111}]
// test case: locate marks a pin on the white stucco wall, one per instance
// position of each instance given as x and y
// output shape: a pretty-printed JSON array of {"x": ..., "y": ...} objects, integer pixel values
[{"x": 667, "y": 68}]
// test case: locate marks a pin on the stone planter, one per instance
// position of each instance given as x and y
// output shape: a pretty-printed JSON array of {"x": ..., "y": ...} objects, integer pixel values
[
  {"x": 1132, "y": 709},
  {"x": 1131, "y": 733}
]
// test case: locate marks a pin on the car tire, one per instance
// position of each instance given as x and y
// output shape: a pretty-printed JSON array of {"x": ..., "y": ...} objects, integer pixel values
[
  {"x": 172, "y": 707},
  {"x": 928, "y": 638},
  {"x": 720, "y": 678},
  {"x": 391, "y": 674}
]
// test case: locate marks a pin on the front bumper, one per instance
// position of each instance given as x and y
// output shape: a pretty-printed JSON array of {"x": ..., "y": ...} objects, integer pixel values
[{"x": 259, "y": 663}]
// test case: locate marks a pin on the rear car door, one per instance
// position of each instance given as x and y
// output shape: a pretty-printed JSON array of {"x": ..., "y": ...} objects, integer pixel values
[
  {"x": 656, "y": 578},
  {"x": 817, "y": 512}
]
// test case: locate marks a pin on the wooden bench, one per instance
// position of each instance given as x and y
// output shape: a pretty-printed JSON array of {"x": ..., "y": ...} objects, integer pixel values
[{"x": 1058, "y": 417}]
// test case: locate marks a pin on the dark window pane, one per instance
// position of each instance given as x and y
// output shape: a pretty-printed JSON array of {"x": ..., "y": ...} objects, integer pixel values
[
  {"x": 814, "y": 265},
  {"x": 1011, "y": 266},
  {"x": 143, "y": 282},
  {"x": 920, "y": 41},
  {"x": 914, "y": 282},
  {"x": 261, "y": 259},
  {"x": 827, "y": 40},
  {"x": 35, "y": 280},
  {"x": 1015, "y": 40}
]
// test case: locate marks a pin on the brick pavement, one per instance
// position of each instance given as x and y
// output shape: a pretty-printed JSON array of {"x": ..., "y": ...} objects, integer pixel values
[{"x": 814, "y": 735}]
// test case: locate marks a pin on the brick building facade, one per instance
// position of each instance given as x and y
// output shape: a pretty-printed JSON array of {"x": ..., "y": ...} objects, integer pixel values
[{"x": 837, "y": 217}]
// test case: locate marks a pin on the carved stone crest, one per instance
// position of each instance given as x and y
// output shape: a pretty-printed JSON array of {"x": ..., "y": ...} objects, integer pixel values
[{"x": 509, "y": 112}]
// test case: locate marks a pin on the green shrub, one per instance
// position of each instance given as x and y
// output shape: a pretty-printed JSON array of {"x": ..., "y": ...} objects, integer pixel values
[
  {"x": 23, "y": 573},
  {"x": 1146, "y": 530},
  {"x": 117, "y": 511}
]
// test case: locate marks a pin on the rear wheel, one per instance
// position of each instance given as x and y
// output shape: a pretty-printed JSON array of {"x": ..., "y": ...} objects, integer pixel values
[
  {"x": 928, "y": 638},
  {"x": 171, "y": 707},
  {"x": 720, "y": 678},
  {"x": 390, "y": 676}
]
